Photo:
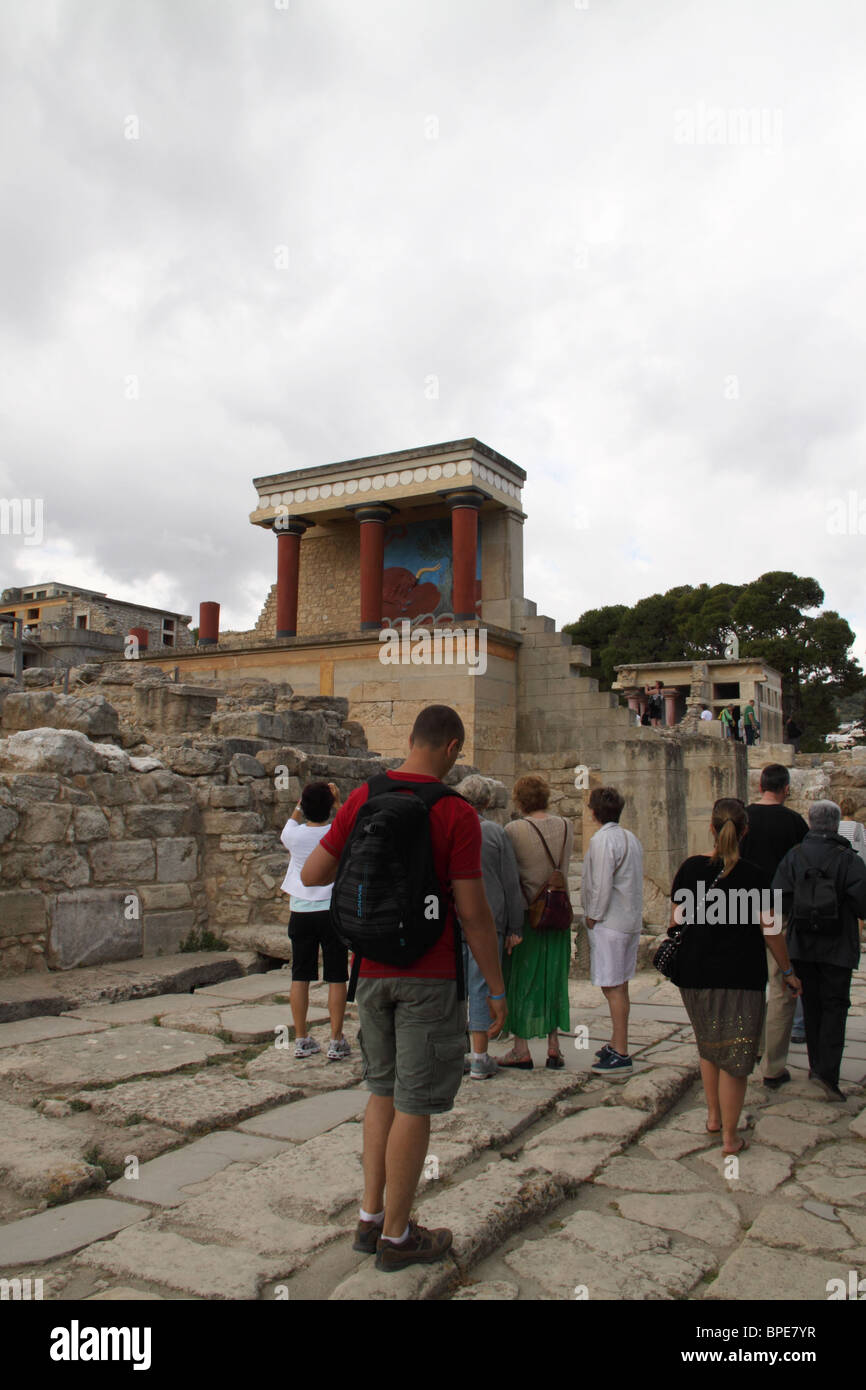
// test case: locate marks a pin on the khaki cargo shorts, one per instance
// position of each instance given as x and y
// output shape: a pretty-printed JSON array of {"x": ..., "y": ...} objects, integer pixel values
[{"x": 413, "y": 1040}]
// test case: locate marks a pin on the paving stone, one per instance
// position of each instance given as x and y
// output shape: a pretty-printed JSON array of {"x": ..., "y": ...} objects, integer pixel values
[
  {"x": 600, "y": 1122},
  {"x": 855, "y": 1222},
  {"x": 115, "y": 1054},
  {"x": 838, "y": 1175},
  {"x": 310, "y": 1073},
  {"x": 39, "y": 1157},
  {"x": 616, "y": 1237},
  {"x": 695, "y": 1122},
  {"x": 707, "y": 1217},
  {"x": 858, "y": 1125},
  {"x": 137, "y": 1010},
  {"x": 249, "y": 988},
  {"x": 62, "y": 1230},
  {"x": 673, "y": 1054},
  {"x": 797, "y": 1229},
  {"x": 759, "y": 1169},
  {"x": 123, "y": 1293},
  {"x": 245, "y": 1023},
  {"x": 191, "y": 1104},
  {"x": 491, "y": 1290},
  {"x": 164, "y": 1180},
  {"x": 305, "y": 1119},
  {"x": 813, "y": 1112},
  {"x": 418, "y": 1282},
  {"x": 304, "y": 1185},
  {"x": 673, "y": 1144},
  {"x": 643, "y": 1175},
  {"x": 782, "y": 1132},
  {"x": 194, "y": 1269},
  {"x": 756, "y": 1272},
  {"x": 655, "y": 1089},
  {"x": 33, "y": 1030}
]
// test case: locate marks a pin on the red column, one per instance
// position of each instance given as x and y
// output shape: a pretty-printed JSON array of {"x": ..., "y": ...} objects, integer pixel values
[
  {"x": 208, "y": 624},
  {"x": 670, "y": 699},
  {"x": 464, "y": 550},
  {"x": 372, "y": 521},
  {"x": 288, "y": 536}
]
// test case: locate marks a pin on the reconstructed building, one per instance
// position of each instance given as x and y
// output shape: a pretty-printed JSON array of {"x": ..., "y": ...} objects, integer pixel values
[
  {"x": 693, "y": 685},
  {"x": 63, "y": 624}
]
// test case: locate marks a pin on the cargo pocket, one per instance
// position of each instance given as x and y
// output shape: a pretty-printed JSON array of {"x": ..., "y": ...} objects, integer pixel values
[{"x": 446, "y": 1071}]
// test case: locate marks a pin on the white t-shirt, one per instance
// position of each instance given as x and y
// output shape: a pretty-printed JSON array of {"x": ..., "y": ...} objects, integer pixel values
[
  {"x": 300, "y": 840},
  {"x": 611, "y": 887},
  {"x": 853, "y": 831}
]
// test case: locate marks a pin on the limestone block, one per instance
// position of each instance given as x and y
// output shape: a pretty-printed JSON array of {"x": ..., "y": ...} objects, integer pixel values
[
  {"x": 164, "y": 897},
  {"x": 62, "y": 1230},
  {"x": 779, "y": 1224},
  {"x": 163, "y": 932},
  {"x": 62, "y": 864},
  {"x": 49, "y": 750},
  {"x": 243, "y": 765},
  {"x": 193, "y": 762},
  {"x": 91, "y": 926},
  {"x": 117, "y": 1054},
  {"x": 44, "y": 822},
  {"x": 249, "y": 724},
  {"x": 197, "y": 1270},
  {"x": 704, "y": 1216},
  {"x": 22, "y": 913},
  {"x": 89, "y": 823},
  {"x": 755, "y": 1272},
  {"x": 191, "y": 1104},
  {"x": 176, "y": 860},
  {"x": 152, "y": 821},
  {"x": 125, "y": 861},
  {"x": 230, "y": 798},
  {"x": 231, "y": 822}
]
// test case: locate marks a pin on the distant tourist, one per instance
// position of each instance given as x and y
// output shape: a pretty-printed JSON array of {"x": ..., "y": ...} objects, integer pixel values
[
  {"x": 655, "y": 703},
  {"x": 750, "y": 723},
  {"x": 413, "y": 1016},
  {"x": 736, "y": 721},
  {"x": 611, "y": 894},
  {"x": 774, "y": 829},
  {"x": 502, "y": 887},
  {"x": 310, "y": 927},
  {"x": 823, "y": 935},
  {"x": 727, "y": 718},
  {"x": 706, "y": 712},
  {"x": 721, "y": 964},
  {"x": 851, "y": 828},
  {"x": 536, "y": 970},
  {"x": 793, "y": 732}
]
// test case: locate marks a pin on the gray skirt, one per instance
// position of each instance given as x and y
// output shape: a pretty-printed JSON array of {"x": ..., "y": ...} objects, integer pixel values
[{"x": 727, "y": 1024}]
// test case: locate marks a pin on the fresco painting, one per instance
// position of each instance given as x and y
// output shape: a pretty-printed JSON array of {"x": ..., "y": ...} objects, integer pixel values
[{"x": 418, "y": 575}]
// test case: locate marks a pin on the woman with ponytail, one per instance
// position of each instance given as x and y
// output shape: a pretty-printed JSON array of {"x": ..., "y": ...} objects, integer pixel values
[{"x": 724, "y": 906}]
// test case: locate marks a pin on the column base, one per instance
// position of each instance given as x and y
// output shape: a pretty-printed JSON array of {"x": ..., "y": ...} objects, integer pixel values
[
  {"x": 285, "y": 632},
  {"x": 208, "y": 641},
  {"x": 371, "y": 627},
  {"x": 466, "y": 617}
]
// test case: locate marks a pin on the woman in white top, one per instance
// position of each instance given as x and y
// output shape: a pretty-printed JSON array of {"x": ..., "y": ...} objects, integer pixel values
[
  {"x": 310, "y": 923},
  {"x": 611, "y": 891},
  {"x": 851, "y": 828}
]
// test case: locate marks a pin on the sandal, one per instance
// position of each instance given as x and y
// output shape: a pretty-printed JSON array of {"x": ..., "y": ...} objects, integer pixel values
[
  {"x": 731, "y": 1153},
  {"x": 511, "y": 1060},
  {"x": 555, "y": 1061}
]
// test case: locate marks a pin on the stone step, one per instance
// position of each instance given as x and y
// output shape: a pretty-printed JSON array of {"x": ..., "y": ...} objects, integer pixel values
[{"x": 38, "y": 993}]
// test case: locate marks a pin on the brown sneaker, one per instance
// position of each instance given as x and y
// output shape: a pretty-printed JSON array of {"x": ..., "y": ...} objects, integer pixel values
[
  {"x": 420, "y": 1247},
  {"x": 367, "y": 1237}
]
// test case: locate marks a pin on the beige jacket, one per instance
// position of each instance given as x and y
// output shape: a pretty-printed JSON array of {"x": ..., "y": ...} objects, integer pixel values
[{"x": 533, "y": 864}]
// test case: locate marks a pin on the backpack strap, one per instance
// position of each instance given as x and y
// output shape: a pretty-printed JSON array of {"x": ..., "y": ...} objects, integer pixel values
[
  {"x": 353, "y": 978},
  {"x": 556, "y": 866}
]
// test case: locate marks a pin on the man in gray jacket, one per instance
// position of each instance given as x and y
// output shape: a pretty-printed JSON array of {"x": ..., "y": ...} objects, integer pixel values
[
  {"x": 824, "y": 947},
  {"x": 502, "y": 887}
]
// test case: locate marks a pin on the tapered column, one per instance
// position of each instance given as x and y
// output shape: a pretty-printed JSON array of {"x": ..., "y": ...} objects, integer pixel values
[
  {"x": 464, "y": 504},
  {"x": 670, "y": 699},
  {"x": 372, "y": 521},
  {"x": 208, "y": 624},
  {"x": 288, "y": 534}
]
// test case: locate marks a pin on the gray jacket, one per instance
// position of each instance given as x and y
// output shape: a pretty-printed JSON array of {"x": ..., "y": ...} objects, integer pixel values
[
  {"x": 501, "y": 880},
  {"x": 842, "y": 949}
]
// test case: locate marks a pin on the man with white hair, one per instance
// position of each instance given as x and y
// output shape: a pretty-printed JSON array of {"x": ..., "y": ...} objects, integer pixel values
[{"x": 823, "y": 886}]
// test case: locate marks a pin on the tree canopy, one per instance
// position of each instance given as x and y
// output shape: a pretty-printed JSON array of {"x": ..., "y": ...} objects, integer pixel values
[{"x": 774, "y": 617}]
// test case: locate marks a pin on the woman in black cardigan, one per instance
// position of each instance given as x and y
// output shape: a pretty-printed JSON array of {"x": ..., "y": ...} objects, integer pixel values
[{"x": 726, "y": 906}]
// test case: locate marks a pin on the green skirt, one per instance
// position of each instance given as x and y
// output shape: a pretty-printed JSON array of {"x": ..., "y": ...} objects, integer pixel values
[{"x": 536, "y": 981}]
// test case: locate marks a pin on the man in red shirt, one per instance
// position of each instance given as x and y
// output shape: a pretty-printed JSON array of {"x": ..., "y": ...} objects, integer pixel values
[{"x": 413, "y": 1027}]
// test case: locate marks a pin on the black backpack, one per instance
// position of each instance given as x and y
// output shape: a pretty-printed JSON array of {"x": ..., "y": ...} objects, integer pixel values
[
  {"x": 387, "y": 904},
  {"x": 815, "y": 907}
]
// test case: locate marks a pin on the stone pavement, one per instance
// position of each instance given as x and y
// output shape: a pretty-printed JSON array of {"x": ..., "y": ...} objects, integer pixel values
[{"x": 171, "y": 1146}]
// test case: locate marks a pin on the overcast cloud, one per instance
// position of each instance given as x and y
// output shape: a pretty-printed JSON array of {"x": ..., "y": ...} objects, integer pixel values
[{"x": 519, "y": 198}]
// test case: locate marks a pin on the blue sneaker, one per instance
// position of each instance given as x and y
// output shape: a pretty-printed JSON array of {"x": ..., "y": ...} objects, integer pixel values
[
  {"x": 611, "y": 1063},
  {"x": 603, "y": 1051}
]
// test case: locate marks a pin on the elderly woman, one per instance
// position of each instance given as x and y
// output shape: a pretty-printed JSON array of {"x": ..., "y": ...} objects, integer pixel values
[
  {"x": 536, "y": 966},
  {"x": 721, "y": 964},
  {"x": 502, "y": 887}
]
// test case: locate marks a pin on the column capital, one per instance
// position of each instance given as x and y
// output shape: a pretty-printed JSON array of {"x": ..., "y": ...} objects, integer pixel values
[
  {"x": 371, "y": 511},
  {"x": 464, "y": 497},
  {"x": 289, "y": 525}
]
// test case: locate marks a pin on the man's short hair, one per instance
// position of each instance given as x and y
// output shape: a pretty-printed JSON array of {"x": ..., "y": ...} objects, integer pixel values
[
  {"x": 606, "y": 804},
  {"x": 775, "y": 778},
  {"x": 824, "y": 817},
  {"x": 316, "y": 801},
  {"x": 436, "y": 726}
]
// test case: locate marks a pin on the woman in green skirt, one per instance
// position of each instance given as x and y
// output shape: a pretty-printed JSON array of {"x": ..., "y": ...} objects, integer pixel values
[{"x": 536, "y": 964}]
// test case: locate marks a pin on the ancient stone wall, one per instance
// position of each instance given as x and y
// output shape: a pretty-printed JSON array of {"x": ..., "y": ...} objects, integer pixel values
[{"x": 329, "y": 594}]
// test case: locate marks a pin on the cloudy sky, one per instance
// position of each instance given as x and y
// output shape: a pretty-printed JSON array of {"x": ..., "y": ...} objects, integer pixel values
[{"x": 625, "y": 239}]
